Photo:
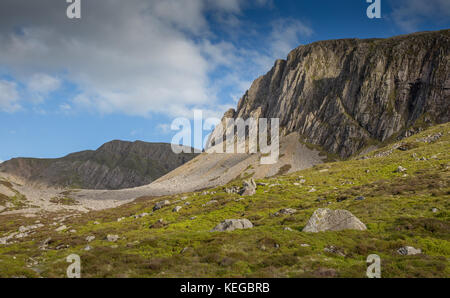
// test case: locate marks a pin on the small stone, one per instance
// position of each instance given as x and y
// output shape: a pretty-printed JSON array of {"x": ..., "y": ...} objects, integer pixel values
[
  {"x": 141, "y": 215},
  {"x": 45, "y": 243},
  {"x": 400, "y": 169},
  {"x": 112, "y": 238},
  {"x": 177, "y": 209},
  {"x": 96, "y": 223},
  {"x": 187, "y": 204},
  {"x": 305, "y": 245},
  {"x": 88, "y": 248},
  {"x": 435, "y": 210},
  {"x": 184, "y": 250},
  {"x": 286, "y": 211},
  {"x": 288, "y": 229},
  {"x": 360, "y": 198},
  {"x": 210, "y": 203},
  {"x": 61, "y": 228},
  {"x": 90, "y": 238},
  {"x": 409, "y": 251},
  {"x": 334, "y": 250},
  {"x": 193, "y": 217},
  {"x": 312, "y": 190}
]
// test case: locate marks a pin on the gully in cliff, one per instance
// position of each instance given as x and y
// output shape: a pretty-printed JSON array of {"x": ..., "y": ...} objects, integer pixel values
[{"x": 230, "y": 133}]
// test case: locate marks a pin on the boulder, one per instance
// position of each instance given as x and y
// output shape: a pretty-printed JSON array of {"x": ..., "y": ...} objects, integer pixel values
[
  {"x": 333, "y": 220},
  {"x": 233, "y": 224},
  {"x": 160, "y": 205},
  {"x": 249, "y": 188},
  {"x": 409, "y": 251}
]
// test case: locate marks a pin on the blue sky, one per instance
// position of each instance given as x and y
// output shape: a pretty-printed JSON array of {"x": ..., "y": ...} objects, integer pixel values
[{"x": 126, "y": 69}]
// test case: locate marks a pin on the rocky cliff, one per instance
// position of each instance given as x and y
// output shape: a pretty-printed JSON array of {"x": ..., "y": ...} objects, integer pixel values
[
  {"x": 115, "y": 165},
  {"x": 347, "y": 94}
]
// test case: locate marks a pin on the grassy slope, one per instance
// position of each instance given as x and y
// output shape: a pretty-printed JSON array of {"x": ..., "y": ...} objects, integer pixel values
[{"x": 397, "y": 211}]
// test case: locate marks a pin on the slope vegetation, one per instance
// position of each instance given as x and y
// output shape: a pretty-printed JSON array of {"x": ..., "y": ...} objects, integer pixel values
[{"x": 400, "y": 208}]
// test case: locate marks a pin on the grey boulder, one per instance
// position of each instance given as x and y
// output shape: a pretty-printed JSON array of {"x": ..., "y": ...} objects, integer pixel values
[
  {"x": 229, "y": 225},
  {"x": 409, "y": 251},
  {"x": 160, "y": 205},
  {"x": 333, "y": 220}
]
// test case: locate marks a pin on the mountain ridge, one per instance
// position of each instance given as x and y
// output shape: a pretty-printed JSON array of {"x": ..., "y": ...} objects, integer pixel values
[{"x": 114, "y": 165}]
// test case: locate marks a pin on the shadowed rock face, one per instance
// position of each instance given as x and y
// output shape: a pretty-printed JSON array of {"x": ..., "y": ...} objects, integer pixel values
[
  {"x": 346, "y": 94},
  {"x": 115, "y": 165}
]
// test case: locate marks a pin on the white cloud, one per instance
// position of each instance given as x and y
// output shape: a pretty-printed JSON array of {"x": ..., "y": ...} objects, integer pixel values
[
  {"x": 8, "y": 96},
  {"x": 164, "y": 128},
  {"x": 409, "y": 14},
  {"x": 135, "y": 57},
  {"x": 286, "y": 35},
  {"x": 43, "y": 83}
]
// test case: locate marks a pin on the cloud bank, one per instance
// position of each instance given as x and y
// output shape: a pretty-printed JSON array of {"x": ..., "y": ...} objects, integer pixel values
[{"x": 136, "y": 57}]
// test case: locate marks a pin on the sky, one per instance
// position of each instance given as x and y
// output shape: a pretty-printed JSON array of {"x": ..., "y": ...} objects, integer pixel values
[{"x": 126, "y": 69}]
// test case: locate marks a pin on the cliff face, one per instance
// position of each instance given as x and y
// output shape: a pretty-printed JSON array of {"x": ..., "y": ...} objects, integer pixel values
[
  {"x": 346, "y": 94},
  {"x": 115, "y": 165}
]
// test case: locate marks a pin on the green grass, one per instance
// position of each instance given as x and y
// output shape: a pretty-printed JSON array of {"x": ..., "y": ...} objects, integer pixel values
[{"x": 397, "y": 211}]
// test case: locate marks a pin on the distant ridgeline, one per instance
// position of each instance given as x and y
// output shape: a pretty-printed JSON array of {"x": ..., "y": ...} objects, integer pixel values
[{"x": 115, "y": 165}]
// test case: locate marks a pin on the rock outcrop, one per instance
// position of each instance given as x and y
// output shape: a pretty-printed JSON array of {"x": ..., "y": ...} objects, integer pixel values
[
  {"x": 333, "y": 220},
  {"x": 344, "y": 95}
]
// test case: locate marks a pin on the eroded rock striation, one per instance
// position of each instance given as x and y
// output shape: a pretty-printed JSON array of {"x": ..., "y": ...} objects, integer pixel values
[{"x": 344, "y": 95}]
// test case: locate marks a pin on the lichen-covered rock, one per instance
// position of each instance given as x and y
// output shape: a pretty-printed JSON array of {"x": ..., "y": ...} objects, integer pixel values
[
  {"x": 233, "y": 224},
  {"x": 333, "y": 220}
]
